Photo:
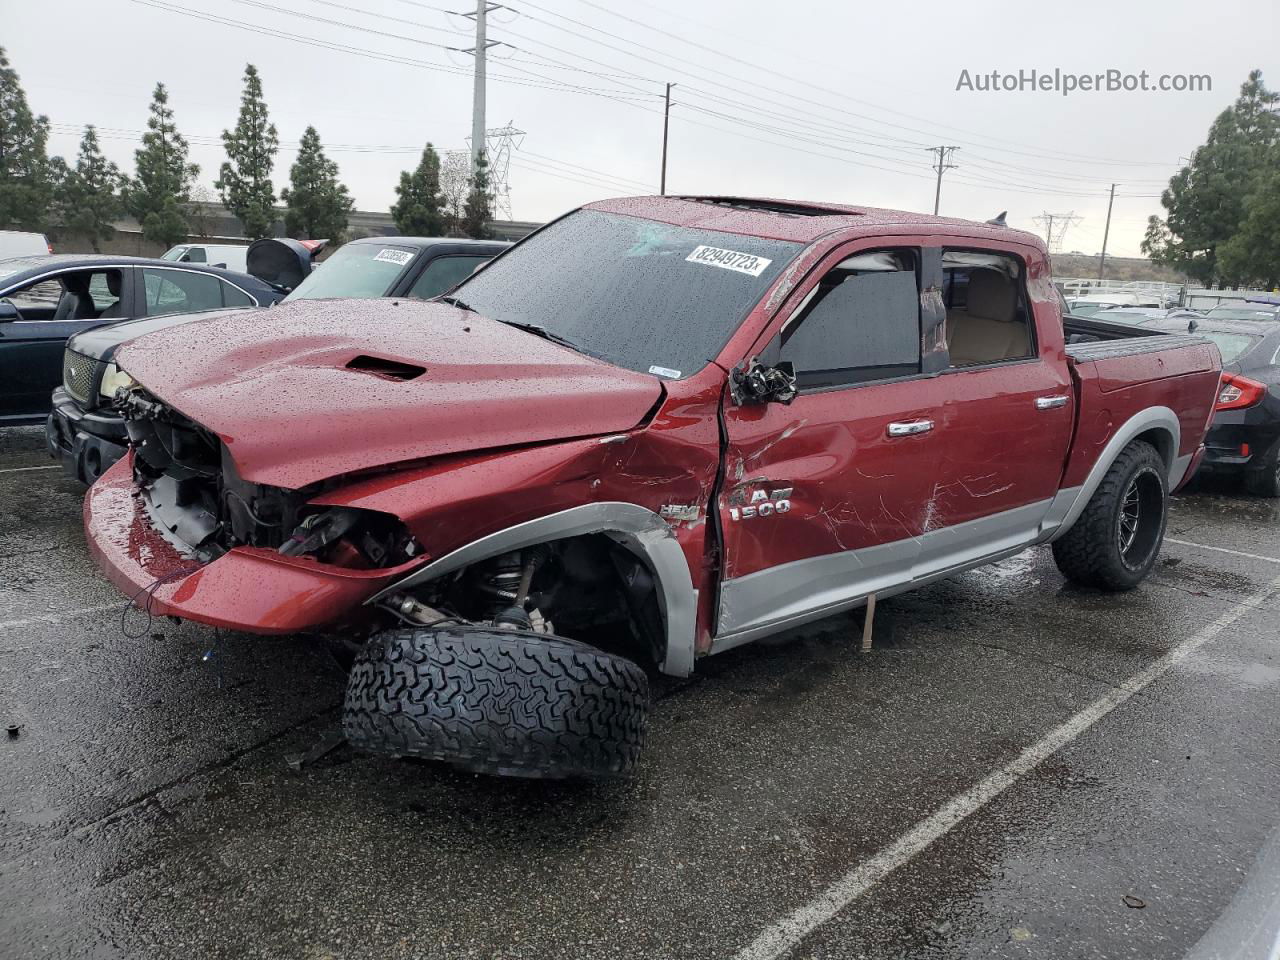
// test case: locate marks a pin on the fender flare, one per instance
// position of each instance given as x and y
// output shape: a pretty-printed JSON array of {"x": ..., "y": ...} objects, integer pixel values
[
  {"x": 641, "y": 531},
  {"x": 1069, "y": 504}
]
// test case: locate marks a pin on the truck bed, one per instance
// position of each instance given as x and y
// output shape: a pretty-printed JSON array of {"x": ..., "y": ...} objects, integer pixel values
[{"x": 1121, "y": 371}]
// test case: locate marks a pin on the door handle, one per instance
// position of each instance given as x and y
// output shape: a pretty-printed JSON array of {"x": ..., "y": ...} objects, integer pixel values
[
  {"x": 1051, "y": 403},
  {"x": 910, "y": 428}
]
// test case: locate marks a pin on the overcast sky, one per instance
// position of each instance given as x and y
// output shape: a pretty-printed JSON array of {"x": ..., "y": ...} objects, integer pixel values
[{"x": 823, "y": 101}]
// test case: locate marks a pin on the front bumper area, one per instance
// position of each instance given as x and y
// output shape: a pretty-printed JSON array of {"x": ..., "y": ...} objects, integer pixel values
[
  {"x": 247, "y": 589},
  {"x": 87, "y": 443}
]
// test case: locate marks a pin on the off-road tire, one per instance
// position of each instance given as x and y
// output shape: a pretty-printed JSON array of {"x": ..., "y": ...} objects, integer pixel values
[
  {"x": 1090, "y": 552},
  {"x": 497, "y": 702},
  {"x": 1265, "y": 482}
]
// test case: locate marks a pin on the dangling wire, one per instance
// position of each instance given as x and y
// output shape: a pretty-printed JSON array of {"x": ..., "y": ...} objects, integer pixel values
[{"x": 150, "y": 591}]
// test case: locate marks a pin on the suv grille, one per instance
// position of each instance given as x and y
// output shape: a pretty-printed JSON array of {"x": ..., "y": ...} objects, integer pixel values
[{"x": 80, "y": 377}]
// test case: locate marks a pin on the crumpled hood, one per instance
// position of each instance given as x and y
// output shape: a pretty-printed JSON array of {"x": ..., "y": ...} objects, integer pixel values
[{"x": 315, "y": 389}]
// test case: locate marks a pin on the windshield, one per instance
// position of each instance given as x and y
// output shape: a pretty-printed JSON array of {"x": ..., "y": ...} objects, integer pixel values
[
  {"x": 1122, "y": 316},
  {"x": 643, "y": 295},
  {"x": 1231, "y": 345},
  {"x": 356, "y": 270},
  {"x": 175, "y": 253},
  {"x": 1089, "y": 309},
  {"x": 1242, "y": 313}
]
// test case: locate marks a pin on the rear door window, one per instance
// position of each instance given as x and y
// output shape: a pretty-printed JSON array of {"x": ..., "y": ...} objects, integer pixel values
[
  {"x": 444, "y": 273},
  {"x": 180, "y": 291}
]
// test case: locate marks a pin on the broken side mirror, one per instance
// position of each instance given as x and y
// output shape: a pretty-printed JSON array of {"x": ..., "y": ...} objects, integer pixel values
[{"x": 763, "y": 384}]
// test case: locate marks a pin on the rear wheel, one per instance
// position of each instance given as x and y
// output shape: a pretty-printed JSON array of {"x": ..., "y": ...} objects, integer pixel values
[
  {"x": 1114, "y": 543},
  {"x": 1265, "y": 482},
  {"x": 497, "y": 701}
]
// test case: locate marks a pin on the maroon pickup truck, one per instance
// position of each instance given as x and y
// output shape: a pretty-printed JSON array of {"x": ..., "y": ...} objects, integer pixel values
[{"x": 654, "y": 430}]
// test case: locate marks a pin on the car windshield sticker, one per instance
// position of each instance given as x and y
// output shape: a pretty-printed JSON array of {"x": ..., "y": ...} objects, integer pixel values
[
  {"x": 729, "y": 260},
  {"x": 665, "y": 372},
  {"x": 400, "y": 257}
]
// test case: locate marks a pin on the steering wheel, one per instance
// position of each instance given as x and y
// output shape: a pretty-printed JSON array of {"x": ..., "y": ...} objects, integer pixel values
[{"x": 17, "y": 314}]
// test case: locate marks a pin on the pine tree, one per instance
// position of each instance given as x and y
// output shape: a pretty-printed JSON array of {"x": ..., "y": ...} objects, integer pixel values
[
  {"x": 89, "y": 196},
  {"x": 1252, "y": 256},
  {"x": 245, "y": 178},
  {"x": 419, "y": 211},
  {"x": 318, "y": 205},
  {"x": 1205, "y": 200},
  {"x": 26, "y": 190},
  {"x": 479, "y": 207},
  {"x": 164, "y": 177}
]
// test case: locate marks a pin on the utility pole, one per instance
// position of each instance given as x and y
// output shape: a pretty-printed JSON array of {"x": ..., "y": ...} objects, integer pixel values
[
  {"x": 1106, "y": 232},
  {"x": 478, "y": 84},
  {"x": 945, "y": 153},
  {"x": 666, "y": 122}
]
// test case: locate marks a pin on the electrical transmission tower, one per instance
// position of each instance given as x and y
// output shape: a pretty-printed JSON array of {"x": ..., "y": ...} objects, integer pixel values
[
  {"x": 1055, "y": 228},
  {"x": 498, "y": 144}
]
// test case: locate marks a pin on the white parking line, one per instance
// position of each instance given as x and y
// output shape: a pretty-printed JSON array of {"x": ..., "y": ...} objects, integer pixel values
[
  {"x": 24, "y": 469},
  {"x": 61, "y": 617},
  {"x": 780, "y": 937},
  {"x": 1234, "y": 553}
]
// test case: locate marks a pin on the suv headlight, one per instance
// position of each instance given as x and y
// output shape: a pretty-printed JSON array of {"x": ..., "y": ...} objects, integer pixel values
[{"x": 113, "y": 378}]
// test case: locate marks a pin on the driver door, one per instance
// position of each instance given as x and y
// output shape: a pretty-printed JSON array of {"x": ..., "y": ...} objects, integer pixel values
[
  {"x": 31, "y": 347},
  {"x": 825, "y": 500}
]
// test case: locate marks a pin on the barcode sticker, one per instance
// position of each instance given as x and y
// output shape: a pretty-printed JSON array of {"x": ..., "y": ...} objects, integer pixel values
[{"x": 746, "y": 263}]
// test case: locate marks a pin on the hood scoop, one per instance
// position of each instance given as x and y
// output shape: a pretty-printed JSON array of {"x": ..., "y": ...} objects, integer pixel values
[{"x": 384, "y": 368}]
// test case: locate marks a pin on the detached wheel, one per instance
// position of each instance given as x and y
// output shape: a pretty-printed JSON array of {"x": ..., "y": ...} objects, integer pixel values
[
  {"x": 497, "y": 702},
  {"x": 1114, "y": 543}
]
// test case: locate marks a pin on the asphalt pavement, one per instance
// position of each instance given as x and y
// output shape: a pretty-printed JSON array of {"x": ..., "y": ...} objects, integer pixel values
[{"x": 1018, "y": 768}]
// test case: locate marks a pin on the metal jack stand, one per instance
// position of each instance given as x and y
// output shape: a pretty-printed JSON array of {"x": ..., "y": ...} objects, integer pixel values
[
  {"x": 867, "y": 621},
  {"x": 328, "y": 743}
]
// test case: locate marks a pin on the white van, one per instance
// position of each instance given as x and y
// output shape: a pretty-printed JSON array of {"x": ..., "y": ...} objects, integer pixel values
[
  {"x": 16, "y": 244},
  {"x": 229, "y": 256}
]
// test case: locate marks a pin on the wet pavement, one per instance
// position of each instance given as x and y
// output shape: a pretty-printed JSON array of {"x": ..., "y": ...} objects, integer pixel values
[{"x": 146, "y": 809}]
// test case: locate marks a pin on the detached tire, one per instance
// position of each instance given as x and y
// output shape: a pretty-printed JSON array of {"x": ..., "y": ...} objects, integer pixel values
[
  {"x": 1114, "y": 543},
  {"x": 498, "y": 702}
]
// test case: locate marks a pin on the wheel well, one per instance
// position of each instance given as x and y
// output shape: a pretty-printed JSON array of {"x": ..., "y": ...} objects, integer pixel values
[
  {"x": 1162, "y": 440},
  {"x": 592, "y": 587}
]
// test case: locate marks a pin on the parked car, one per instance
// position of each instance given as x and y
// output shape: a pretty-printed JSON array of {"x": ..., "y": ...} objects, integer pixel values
[
  {"x": 1143, "y": 315},
  {"x": 654, "y": 430},
  {"x": 1247, "y": 310},
  {"x": 47, "y": 299},
  {"x": 421, "y": 267},
  {"x": 1093, "y": 303},
  {"x": 14, "y": 243},
  {"x": 1244, "y": 437},
  {"x": 88, "y": 435},
  {"x": 229, "y": 256}
]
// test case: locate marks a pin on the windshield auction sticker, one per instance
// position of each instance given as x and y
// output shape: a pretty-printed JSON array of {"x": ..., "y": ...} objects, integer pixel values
[
  {"x": 729, "y": 260},
  {"x": 394, "y": 256}
]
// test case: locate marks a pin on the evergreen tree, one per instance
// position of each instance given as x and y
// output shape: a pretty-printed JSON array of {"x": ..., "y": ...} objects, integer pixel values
[
  {"x": 1205, "y": 200},
  {"x": 317, "y": 203},
  {"x": 164, "y": 177},
  {"x": 419, "y": 211},
  {"x": 89, "y": 196},
  {"x": 1252, "y": 256},
  {"x": 245, "y": 178},
  {"x": 478, "y": 210},
  {"x": 25, "y": 177}
]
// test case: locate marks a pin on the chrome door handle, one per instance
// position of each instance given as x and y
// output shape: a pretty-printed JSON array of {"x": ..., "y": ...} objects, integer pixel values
[
  {"x": 1051, "y": 403},
  {"x": 910, "y": 427}
]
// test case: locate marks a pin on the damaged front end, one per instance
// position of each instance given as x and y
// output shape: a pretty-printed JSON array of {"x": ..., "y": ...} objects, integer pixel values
[{"x": 197, "y": 501}]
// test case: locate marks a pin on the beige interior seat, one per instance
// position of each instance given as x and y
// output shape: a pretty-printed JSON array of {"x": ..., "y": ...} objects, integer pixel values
[{"x": 988, "y": 329}]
